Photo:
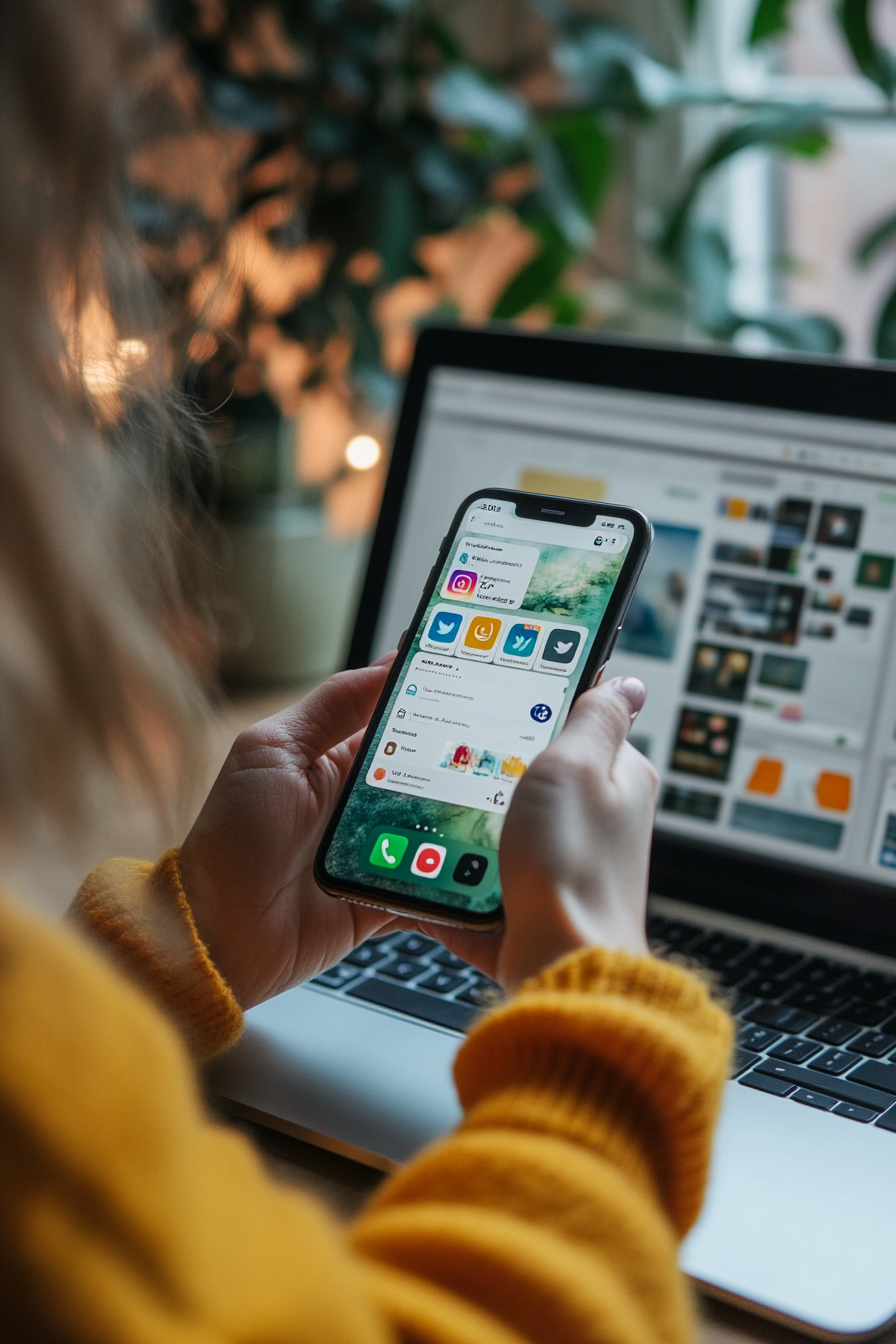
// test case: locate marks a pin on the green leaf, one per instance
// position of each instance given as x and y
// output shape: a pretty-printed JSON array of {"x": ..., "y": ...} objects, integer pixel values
[
  {"x": 397, "y": 226},
  {"x": 559, "y": 197},
  {"x": 589, "y": 155},
  {"x": 535, "y": 282},
  {"x": 876, "y": 63},
  {"x": 800, "y": 131},
  {"x": 885, "y": 332},
  {"x": 875, "y": 240},
  {"x": 771, "y": 19},
  {"x": 811, "y": 333}
]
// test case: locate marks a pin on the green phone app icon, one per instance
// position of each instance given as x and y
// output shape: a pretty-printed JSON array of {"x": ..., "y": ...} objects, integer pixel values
[{"x": 388, "y": 850}]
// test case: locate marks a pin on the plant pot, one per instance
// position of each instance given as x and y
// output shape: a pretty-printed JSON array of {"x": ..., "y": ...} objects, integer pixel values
[{"x": 289, "y": 594}]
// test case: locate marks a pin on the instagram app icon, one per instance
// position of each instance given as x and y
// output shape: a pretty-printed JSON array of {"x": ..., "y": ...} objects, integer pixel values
[{"x": 462, "y": 583}]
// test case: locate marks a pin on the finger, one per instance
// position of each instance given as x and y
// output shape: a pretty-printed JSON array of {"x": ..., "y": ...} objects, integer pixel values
[
  {"x": 479, "y": 949},
  {"x": 600, "y": 719},
  {"x": 385, "y": 659},
  {"x": 336, "y": 710}
]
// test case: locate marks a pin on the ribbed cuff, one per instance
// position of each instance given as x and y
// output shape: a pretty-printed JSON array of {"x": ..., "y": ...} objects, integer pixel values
[
  {"x": 626, "y": 1055},
  {"x": 140, "y": 912}
]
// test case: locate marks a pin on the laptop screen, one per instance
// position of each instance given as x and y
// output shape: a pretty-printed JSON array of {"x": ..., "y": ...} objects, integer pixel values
[{"x": 765, "y": 621}]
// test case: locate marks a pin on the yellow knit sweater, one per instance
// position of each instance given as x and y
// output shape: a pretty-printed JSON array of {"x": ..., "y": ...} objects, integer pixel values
[{"x": 552, "y": 1214}]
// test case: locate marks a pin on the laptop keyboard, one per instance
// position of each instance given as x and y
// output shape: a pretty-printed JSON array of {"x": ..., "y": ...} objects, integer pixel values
[
  {"x": 812, "y": 1030},
  {"x": 416, "y": 976}
]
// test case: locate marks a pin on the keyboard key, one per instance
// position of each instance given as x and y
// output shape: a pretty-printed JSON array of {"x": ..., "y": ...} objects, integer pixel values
[
  {"x": 778, "y": 1087},
  {"x": 449, "y": 960},
  {"x": 739, "y": 1002},
  {"x": 816, "y": 1099},
  {"x": 831, "y": 1031},
  {"x": 836, "y": 1061},
  {"x": 441, "y": 1012},
  {"x": 795, "y": 1049},
  {"x": 853, "y": 1112},
  {"x": 888, "y": 1121},
  {"x": 889, "y": 1026},
  {"x": 743, "y": 1059},
  {"x": 874, "y": 985},
  {"x": 336, "y": 977},
  {"x": 718, "y": 949},
  {"x": 781, "y": 1016},
  {"x": 875, "y": 1043},
  {"x": 820, "y": 973},
  {"x": 402, "y": 968},
  {"x": 368, "y": 955},
  {"x": 771, "y": 960},
  {"x": 415, "y": 945},
  {"x": 764, "y": 986},
  {"x": 681, "y": 936},
  {"x": 442, "y": 982},
  {"x": 819, "y": 1001},
  {"x": 729, "y": 976},
  {"x": 483, "y": 993},
  {"x": 865, "y": 1012},
  {"x": 841, "y": 1088},
  {"x": 875, "y": 1075},
  {"x": 757, "y": 1038}
]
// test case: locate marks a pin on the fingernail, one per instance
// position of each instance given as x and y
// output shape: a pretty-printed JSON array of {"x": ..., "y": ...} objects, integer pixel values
[
  {"x": 634, "y": 691},
  {"x": 384, "y": 658}
]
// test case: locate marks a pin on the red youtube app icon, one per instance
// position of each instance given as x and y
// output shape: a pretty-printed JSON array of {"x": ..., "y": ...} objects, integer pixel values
[{"x": 428, "y": 860}]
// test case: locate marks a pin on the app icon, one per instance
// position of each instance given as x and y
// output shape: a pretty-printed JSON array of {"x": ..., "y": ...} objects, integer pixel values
[
  {"x": 388, "y": 850},
  {"x": 390, "y": 748},
  {"x": 411, "y": 690},
  {"x": 560, "y": 646},
  {"x": 428, "y": 860},
  {"x": 462, "y": 583},
  {"x": 379, "y": 773},
  {"x": 482, "y": 633},
  {"x": 444, "y": 626},
  {"x": 540, "y": 713},
  {"x": 470, "y": 869},
  {"x": 521, "y": 640}
]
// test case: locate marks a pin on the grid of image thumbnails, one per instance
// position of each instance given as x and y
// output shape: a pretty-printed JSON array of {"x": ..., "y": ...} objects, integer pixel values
[{"x": 789, "y": 592}]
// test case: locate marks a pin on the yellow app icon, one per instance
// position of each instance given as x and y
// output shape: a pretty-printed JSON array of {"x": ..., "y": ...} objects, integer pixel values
[{"x": 482, "y": 632}]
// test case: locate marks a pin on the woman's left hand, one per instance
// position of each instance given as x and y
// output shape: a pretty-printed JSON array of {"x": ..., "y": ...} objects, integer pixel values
[{"x": 247, "y": 862}]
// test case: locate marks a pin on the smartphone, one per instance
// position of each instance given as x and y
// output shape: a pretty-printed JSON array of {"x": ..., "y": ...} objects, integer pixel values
[{"x": 518, "y": 617}]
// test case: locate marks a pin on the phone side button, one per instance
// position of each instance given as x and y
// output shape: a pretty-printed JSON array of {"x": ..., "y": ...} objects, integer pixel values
[{"x": 441, "y": 1012}]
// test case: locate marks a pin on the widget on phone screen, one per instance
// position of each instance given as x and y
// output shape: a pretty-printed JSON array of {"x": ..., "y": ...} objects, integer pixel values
[
  {"x": 388, "y": 850},
  {"x": 481, "y": 637},
  {"x": 470, "y": 869},
  {"x": 428, "y": 860}
]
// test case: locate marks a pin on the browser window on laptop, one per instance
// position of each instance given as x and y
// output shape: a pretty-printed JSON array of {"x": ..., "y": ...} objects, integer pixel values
[{"x": 764, "y": 624}]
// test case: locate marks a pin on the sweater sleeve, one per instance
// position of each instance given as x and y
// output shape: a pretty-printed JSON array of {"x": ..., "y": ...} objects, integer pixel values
[
  {"x": 554, "y": 1212},
  {"x": 139, "y": 914}
]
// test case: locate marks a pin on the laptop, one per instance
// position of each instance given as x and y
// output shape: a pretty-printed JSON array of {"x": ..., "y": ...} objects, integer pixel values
[{"x": 765, "y": 627}]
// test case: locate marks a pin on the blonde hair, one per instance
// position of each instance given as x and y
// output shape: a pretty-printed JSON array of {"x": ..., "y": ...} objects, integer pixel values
[{"x": 94, "y": 442}]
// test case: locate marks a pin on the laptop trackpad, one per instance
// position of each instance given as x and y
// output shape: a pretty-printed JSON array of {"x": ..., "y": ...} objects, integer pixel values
[
  {"x": 799, "y": 1216},
  {"x": 379, "y": 1085}
]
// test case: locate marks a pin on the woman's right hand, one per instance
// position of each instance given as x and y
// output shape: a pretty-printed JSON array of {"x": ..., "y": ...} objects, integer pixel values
[{"x": 575, "y": 848}]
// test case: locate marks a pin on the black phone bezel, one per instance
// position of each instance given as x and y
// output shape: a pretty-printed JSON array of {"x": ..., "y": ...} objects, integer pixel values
[
  {"x": 576, "y": 513},
  {"x": 858, "y": 912}
]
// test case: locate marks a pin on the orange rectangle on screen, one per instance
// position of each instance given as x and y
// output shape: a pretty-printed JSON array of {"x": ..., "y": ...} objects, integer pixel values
[
  {"x": 766, "y": 777},
  {"x": 833, "y": 791}
]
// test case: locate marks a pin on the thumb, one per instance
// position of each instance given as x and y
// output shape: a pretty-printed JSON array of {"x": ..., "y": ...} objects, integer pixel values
[
  {"x": 600, "y": 720},
  {"x": 337, "y": 709}
]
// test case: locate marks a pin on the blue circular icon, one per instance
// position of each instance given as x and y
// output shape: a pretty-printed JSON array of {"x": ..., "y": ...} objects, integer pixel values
[{"x": 541, "y": 713}]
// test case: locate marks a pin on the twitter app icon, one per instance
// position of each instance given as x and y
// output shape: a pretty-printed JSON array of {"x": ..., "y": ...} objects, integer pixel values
[{"x": 444, "y": 628}]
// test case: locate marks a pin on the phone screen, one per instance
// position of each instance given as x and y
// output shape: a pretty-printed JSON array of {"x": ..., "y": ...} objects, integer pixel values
[{"x": 487, "y": 681}]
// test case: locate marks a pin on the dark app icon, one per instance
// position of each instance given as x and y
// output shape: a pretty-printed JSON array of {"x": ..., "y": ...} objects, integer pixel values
[
  {"x": 560, "y": 646},
  {"x": 390, "y": 748},
  {"x": 470, "y": 869}
]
